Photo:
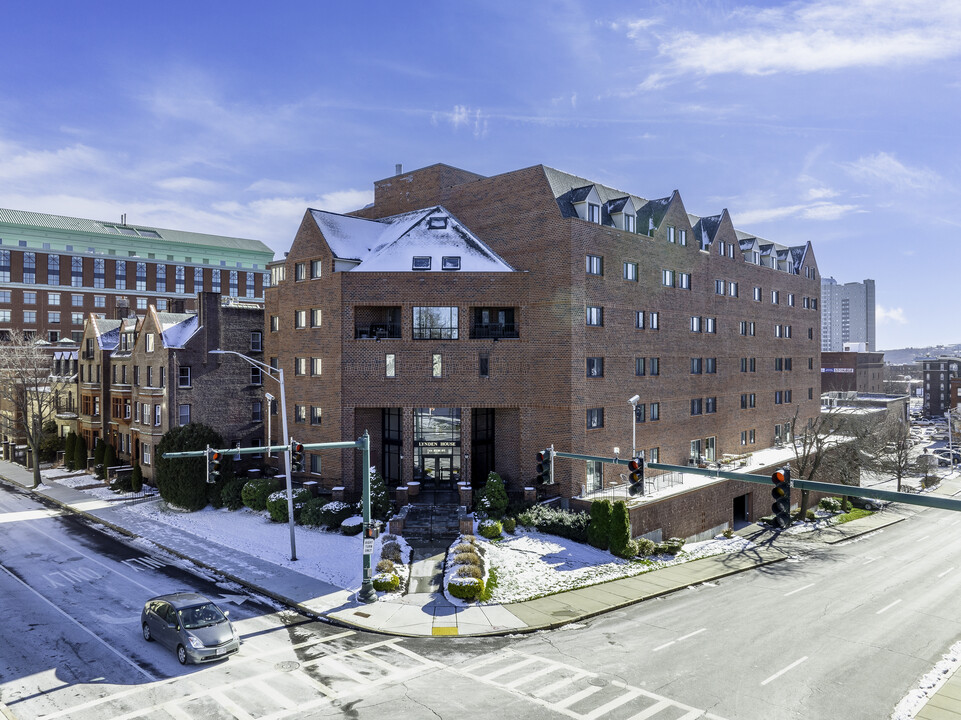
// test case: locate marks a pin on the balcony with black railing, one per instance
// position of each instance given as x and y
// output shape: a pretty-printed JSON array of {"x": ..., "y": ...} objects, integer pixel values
[
  {"x": 481, "y": 331},
  {"x": 376, "y": 331},
  {"x": 373, "y": 322}
]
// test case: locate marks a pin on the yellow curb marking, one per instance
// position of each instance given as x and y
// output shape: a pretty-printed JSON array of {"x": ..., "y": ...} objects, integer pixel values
[{"x": 444, "y": 631}]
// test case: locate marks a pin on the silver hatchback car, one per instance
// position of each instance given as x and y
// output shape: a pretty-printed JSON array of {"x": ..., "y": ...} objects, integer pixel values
[{"x": 190, "y": 625}]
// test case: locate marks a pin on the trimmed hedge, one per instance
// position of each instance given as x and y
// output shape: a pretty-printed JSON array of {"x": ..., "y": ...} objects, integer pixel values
[
  {"x": 599, "y": 531},
  {"x": 620, "y": 531},
  {"x": 386, "y": 582},
  {"x": 490, "y": 529},
  {"x": 466, "y": 588},
  {"x": 563, "y": 523},
  {"x": 277, "y": 504},
  {"x": 255, "y": 492},
  {"x": 352, "y": 525},
  {"x": 231, "y": 494}
]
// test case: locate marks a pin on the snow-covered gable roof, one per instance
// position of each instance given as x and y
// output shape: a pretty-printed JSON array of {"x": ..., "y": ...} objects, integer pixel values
[
  {"x": 709, "y": 226},
  {"x": 391, "y": 244},
  {"x": 176, "y": 328},
  {"x": 107, "y": 331}
]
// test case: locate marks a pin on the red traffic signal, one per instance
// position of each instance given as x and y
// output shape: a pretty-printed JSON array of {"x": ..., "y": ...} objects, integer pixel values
[
  {"x": 636, "y": 466},
  {"x": 371, "y": 532},
  {"x": 781, "y": 492}
]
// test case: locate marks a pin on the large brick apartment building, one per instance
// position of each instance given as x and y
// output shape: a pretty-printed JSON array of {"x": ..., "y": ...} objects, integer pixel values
[
  {"x": 56, "y": 270},
  {"x": 467, "y": 322}
]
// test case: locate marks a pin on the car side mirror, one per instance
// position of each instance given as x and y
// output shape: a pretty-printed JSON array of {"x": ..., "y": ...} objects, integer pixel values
[{"x": 226, "y": 613}]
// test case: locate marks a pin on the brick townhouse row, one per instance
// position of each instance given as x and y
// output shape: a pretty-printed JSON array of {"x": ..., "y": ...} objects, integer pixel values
[{"x": 467, "y": 322}]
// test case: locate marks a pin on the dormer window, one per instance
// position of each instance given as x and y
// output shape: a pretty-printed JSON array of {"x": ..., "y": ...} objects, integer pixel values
[
  {"x": 630, "y": 223},
  {"x": 438, "y": 222},
  {"x": 593, "y": 213},
  {"x": 421, "y": 263},
  {"x": 450, "y": 262}
]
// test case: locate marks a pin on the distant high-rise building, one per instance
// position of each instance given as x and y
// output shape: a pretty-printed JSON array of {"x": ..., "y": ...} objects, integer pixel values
[{"x": 847, "y": 314}]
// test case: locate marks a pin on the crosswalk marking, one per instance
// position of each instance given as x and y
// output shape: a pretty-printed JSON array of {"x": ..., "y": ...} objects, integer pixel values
[{"x": 571, "y": 684}]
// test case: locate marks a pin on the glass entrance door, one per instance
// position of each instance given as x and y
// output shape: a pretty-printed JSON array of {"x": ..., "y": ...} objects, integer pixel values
[{"x": 439, "y": 472}]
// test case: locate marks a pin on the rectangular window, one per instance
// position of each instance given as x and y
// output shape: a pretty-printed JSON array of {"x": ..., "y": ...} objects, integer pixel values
[
  {"x": 787, "y": 396},
  {"x": 100, "y": 301},
  {"x": 654, "y": 367},
  {"x": 300, "y": 413},
  {"x": 640, "y": 366},
  {"x": 757, "y": 294},
  {"x": 145, "y": 449},
  {"x": 76, "y": 318},
  {"x": 314, "y": 464},
  {"x": 184, "y": 378},
  {"x": 300, "y": 366},
  {"x": 747, "y": 401},
  {"x": 743, "y": 437},
  {"x": 790, "y": 299},
  {"x": 29, "y": 298},
  {"x": 695, "y": 323},
  {"x": 595, "y": 265},
  {"x": 655, "y": 415},
  {"x": 788, "y": 364},
  {"x": 149, "y": 342},
  {"x": 300, "y": 319},
  {"x": 5, "y": 316},
  {"x": 595, "y": 316},
  {"x": 483, "y": 364},
  {"x": 198, "y": 279},
  {"x": 53, "y": 269},
  {"x": 215, "y": 281},
  {"x": 710, "y": 325},
  {"x": 300, "y": 271},
  {"x": 593, "y": 212},
  {"x": 141, "y": 276},
  {"x": 667, "y": 278},
  {"x": 76, "y": 300},
  {"x": 630, "y": 271},
  {"x": 778, "y": 364},
  {"x": 437, "y": 365},
  {"x": 390, "y": 364},
  {"x": 30, "y": 317},
  {"x": 595, "y": 418},
  {"x": 697, "y": 406},
  {"x": 420, "y": 262},
  {"x": 256, "y": 411},
  {"x": 630, "y": 222},
  {"x": 640, "y": 414},
  {"x": 670, "y": 234},
  {"x": 639, "y": 319},
  {"x": 274, "y": 323},
  {"x": 315, "y": 317},
  {"x": 594, "y": 475},
  {"x": 76, "y": 272},
  {"x": 776, "y": 297},
  {"x": 315, "y": 415},
  {"x": 316, "y": 267},
  {"x": 684, "y": 281},
  {"x": 710, "y": 405},
  {"x": 184, "y": 414},
  {"x": 710, "y": 365},
  {"x": 654, "y": 319},
  {"x": 161, "y": 285},
  {"x": 316, "y": 366},
  {"x": 435, "y": 323},
  {"x": 778, "y": 397},
  {"x": 683, "y": 236},
  {"x": 52, "y": 298},
  {"x": 719, "y": 287},
  {"x": 811, "y": 393},
  {"x": 53, "y": 317},
  {"x": 157, "y": 409},
  {"x": 180, "y": 279},
  {"x": 250, "y": 285},
  {"x": 595, "y": 367},
  {"x": 4, "y": 266},
  {"x": 750, "y": 436},
  {"x": 256, "y": 341},
  {"x": 696, "y": 366},
  {"x": 233, "y": 289},
  {"x": 149, "y": 376},
  {"x": 732, "y": 289},
  {"x": 30, "y": 268},
  {"x": 256, "y": 376}
]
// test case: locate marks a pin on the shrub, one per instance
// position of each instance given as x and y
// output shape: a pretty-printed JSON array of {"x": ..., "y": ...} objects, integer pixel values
[
  {"x": 80, "y": 454},
  {"x": 728, "y": 533},
  {"x": 333, "y": 513},
  {"x": 469, "y": 571},
  {"x": 510, "y": 525},
  {"x": 671, "y": 546},
  {"x": 563, "y": 523},
  {"x": 380, "y": 504},
  {"x": 122, "y": 483},
  {"x": 493, "y": 500},
  {"x": 466, "y": 588},
  {"x": 109, "y": 458},
  {"x": 809, "y": 515},
  {"x": 255, "y": 492},
  {"x": 215, "y": 492},
  {"x": 136, "y": 478},
  {"x": 386, "y": 582},
  {"x": 491, "y": 529},
  {"x": 831, "y": 504},
  {"x": 183, "y": 481},
  {"x": 99, "y": 449},
  {"x": 69, "y": 450},
  {"x": 385, "y": 566},
  {"x": 599, "y": 530},
  {"x": 620, "y": 531},
  {"x": 389, "y": 537},
  {"x": 467, "y": 559},
  {"x": 352, "y": 525},
  {"x": 231, "y": 494},
  {"x": 463, "y": 548},
  {"x": 391, "y": 551},
  {"x": 470, "y": 539},
  {"x": 277, "y": 504},
  {"x": 645, "y": 546}
]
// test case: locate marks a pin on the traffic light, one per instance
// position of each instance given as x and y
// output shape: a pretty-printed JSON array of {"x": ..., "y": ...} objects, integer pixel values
[
  {"x": 636, "y": 466},
  {"x": 545, "y": 467},
  {"x": 213, "y": 465},
  {"x": 781, "y": 492},
  {"x": 296, "y": 457},
  {"x": 371, "y": 532}
]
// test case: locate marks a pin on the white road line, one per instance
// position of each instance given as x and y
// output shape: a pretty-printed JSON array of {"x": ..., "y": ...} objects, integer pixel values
[
  {"x": 96, "y": 637},
  {"x": 265, "y": 688},
  {"x": 175, "y": 711},
  {"x": 548, "y": 689},
  {"x": 887, "y": 607},
  {"x": 651, "y": 710},
  {"x": 683, "y": 637},
  {"x": 922, "y": 538},
  {"x": 230, "y": 706},
  {"x": 869, "y": 561},
  {"x": 778, "y": 674},
  {"x": 945, "y": 572},
  {"x": 509, "y": 668},
  {"x": 799, "y": 590},
  {"x": 577, "y": 697},
  {"x": 530, "y": 676},
  {"x": 615, "y": 703}
]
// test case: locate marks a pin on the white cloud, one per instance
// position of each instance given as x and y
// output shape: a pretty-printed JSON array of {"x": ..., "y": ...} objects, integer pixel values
[
  {"x": 806, "y": 211},
  {"x": 806, "y": 37},
  {"x": 889, "y": 316},
  {"x": 190, "y": 185},
  {"x": 884, "y": 169},
  {"x": 463, "y": 116},
  {"x": 820, "y": 193}
]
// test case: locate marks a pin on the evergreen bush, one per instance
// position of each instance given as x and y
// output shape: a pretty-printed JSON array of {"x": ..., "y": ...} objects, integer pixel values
[
  {"x": 510, "y": 525},
  {"x": 490, "y": 529},
  {"x": 183, "y": 481},
  {"x": 831, "y": 504},
  {"x": 386, "y": 582},
  {"x": 380, "y": 503},
  {"x": 69, "y": 450},
  {"x": 80, "y": 454},
  {"x": 277, "y": 504},
  {"x": 50, "y": 441},
  {"x": 620, "y": 531},
  {"x": 256, "y": 491},
  {"x": 599, "y": 531},
  {"x": 136, "y": 478},
  {"x": 333, "y": 513},
  {"x": 465, "y": 588},
  {"x": 645, "y": 546},
  {"x": 493, "y": 500},
  {"x": 671, "y": 546},
  {"x": 352, "y": 525},
  {"x": 554, "y": 521},
  {"x": 109, "y": 458},
  {"x": 99, "y": 450},
  {"x": 231, "y": 494}
]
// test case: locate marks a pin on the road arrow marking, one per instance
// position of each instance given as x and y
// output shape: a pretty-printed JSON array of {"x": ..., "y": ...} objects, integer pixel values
[{"x": 235, "y": 599}]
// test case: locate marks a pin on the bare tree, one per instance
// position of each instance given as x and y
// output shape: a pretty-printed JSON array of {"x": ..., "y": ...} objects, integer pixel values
[
  {"x": 893, "y": 448},
  {"x": 830, "y": 448},
  {"x": 26, "y": 396}
]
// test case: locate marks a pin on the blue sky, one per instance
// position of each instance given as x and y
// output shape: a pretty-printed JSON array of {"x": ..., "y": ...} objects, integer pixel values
[{"x": 830, "y": 122}]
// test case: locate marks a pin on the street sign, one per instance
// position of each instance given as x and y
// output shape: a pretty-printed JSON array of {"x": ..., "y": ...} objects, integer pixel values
[{"x": 368, "y": 546}]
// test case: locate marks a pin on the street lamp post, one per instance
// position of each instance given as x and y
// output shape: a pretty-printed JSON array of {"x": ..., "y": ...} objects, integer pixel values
[
  {"x": 633, "y": 402},
  {"x": 270, "y": 404},
  {"x": 279, "y": 377}
]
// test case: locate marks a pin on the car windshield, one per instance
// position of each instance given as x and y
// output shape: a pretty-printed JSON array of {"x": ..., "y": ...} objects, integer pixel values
[{"x": 201, "y": 616}]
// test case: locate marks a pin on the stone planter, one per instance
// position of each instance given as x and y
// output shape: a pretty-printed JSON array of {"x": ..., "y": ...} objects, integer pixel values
[{"x": 413, "y": 489}]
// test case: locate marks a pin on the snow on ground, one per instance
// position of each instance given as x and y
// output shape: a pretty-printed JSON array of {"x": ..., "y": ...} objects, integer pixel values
[
  {"x": 928, "y": 685},
  {"x": 532, "y": 564}
]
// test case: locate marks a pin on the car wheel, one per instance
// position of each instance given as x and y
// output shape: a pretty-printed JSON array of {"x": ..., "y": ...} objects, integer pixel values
[
  {"x": 146, "y": 633},
  {"x": 182, "y": 654}
]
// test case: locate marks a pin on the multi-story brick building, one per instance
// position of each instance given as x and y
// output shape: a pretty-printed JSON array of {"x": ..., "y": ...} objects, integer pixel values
[
  {"x": 141, "y": 376},
  {"x": 937, "y": 374},
  {"x": 861, "y": 372},
  {"x": 467, "y": 322},
  {"x": 55, "y": 271}
]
